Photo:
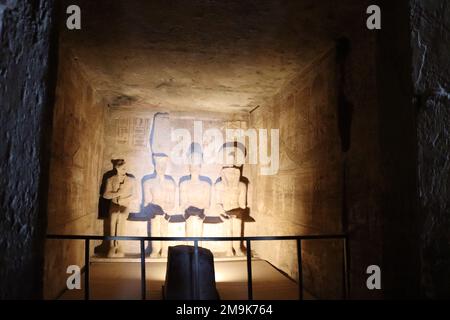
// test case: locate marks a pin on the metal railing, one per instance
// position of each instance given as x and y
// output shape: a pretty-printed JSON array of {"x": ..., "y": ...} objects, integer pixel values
[{"x": 196, "y": 240}]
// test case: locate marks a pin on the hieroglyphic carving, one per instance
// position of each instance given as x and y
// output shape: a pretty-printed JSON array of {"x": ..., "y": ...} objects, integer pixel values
[
  {"x": 140, "y": 132},
  {"x": 132, "y": 131},
  {"x": 123, "y": 131}
]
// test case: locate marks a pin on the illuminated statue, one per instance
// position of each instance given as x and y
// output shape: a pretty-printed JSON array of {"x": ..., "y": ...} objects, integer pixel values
[
  {"x": 120, "y": 189},
  {"x": 195, "y": 192},
  {"x": 159, "y": 200},
  {"x": 231, "y": 196}
]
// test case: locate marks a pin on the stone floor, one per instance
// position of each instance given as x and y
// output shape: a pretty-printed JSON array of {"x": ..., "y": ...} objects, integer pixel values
[{"x": 121, "y": 280}]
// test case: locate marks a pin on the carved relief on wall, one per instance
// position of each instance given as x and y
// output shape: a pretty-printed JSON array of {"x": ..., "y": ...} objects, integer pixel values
[
  {"x": 140, "y": 132},
  {"x": 122, "y": 131},
  {"x": 178, "y": 199},
  {"x": 132, "y": 132}
]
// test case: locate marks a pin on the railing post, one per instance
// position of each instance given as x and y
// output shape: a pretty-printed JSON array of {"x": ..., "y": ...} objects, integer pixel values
[
  {"x": 143, "y": 278},
  {"x": 86, "y": 269},
  {"x": 300, "y": 269},
  {"x": 249, "y": 270},
  {"x": 346, "y": 277},
  {"x": 196, "y": 272}
]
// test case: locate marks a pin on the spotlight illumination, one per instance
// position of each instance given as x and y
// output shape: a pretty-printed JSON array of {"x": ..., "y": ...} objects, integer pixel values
[{"x": 221, "y": 277}]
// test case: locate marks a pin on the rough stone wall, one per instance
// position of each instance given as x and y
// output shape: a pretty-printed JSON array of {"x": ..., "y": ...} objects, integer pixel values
[
  {"x": 430, "y": 35},
  {"x": 397, "y": 156},
  {"x": 25, "y": 33},
  {"x": 358, "y": 126},
  {"x": 75, "y": 170},
  {"x": 361, "y": 166},
  {"x": 337, "y": 167},
  {"x": 305, "y": 196}
]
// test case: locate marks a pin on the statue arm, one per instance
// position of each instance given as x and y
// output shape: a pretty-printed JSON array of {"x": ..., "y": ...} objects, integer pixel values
[
  {"x": 109, "y": 192},
  {"x": 216, "y": 200},
  {"x": 242, "y": 195},
  {"x": 249, "y": 195},
  {"x": 131, "y": 191},
  {"x": 127, "y": 196},
  {"x": 169, "y": 204},
  {"x": 172, "y": 198},
  {"x": 148, "y": 197},
  {"x": 207, "y": 197},
  {"x": 183, "y": 197}
]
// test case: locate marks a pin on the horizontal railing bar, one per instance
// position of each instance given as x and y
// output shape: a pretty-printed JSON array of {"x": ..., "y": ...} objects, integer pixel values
[
  {"x": 87, "y": 238},
  {"x": 253, "y": 238}
]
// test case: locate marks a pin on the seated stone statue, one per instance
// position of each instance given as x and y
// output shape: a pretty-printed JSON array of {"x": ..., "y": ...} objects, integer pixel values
[
  {"x": 159, "y": 200},
  {"x": 231, "y": 198},
  {"x": 195, "y": 192},
  {"x": 120, "y": 189}
]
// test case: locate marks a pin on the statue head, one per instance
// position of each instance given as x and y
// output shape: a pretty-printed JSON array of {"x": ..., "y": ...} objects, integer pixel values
[
  {"x": 160, "y": 161},
  {"x": 195, "y": 156},
  {"x": 195, "y": 169},
  {"x": 120, "y": 166},
  {"x": 231, "y": 174},
  {"x": 234, "y": 153}
]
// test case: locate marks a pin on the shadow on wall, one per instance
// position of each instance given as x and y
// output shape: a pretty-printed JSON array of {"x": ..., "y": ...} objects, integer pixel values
[{"x": 103, "y": 212}]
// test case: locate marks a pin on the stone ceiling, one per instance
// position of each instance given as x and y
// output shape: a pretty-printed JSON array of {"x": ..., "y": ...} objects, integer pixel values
[{"x": 207, "y": 55}]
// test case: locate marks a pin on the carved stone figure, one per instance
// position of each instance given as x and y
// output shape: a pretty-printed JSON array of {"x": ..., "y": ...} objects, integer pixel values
[
  {"x": 231, "y": 198},
  {"x": 195, "y": 193},
  {"x": 159, "y": 200},
  {"x": 120, "y": 189}
]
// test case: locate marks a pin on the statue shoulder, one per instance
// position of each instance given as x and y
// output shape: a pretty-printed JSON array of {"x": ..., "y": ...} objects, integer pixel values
[
  {"x": 112, "y": 179},
  {"x": 184, "y": 180},
  {"x": 206, "y": 180}
]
